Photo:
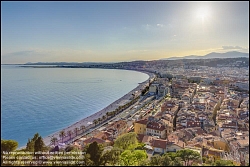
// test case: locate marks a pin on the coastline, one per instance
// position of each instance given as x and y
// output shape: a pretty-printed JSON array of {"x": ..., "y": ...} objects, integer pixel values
[{"x": 111, "y": 107}]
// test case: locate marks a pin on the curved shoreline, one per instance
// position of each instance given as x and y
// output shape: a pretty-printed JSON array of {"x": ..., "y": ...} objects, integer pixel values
[{"x": 111, "y": 107}]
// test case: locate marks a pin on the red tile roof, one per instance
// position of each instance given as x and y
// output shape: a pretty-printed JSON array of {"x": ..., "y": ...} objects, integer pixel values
[
  {"x": 142, "y": 121},
  {"x": 93, "y": 139},
  {"x": 159, "y": 143},
  {"x": 156, "y": 126},
  {"x": 147, "y": 138}
]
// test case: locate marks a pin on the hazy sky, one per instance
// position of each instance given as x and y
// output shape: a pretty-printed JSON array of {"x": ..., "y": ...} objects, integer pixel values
[{"x": 120, "y": 31}]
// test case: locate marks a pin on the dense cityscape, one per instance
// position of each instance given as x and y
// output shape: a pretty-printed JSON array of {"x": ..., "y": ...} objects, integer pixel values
[{"x": 182, "y": 107}]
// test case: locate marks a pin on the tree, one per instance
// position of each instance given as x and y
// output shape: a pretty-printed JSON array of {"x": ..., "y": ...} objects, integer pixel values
[
  {"x": 177, "y": 161},
  {"x": 75, "y": 130},
  {"x": 113, "y": 112},
  {"x": 140, "y": 156},
  {"x": 83, "y": 128},
  {"x": 135, "y": 157},
  {"x": 208, "y": 160},
  {"x": 69, "y": 133},
  {"x": 39, "y": 144},
  {"x": 106, "y": 157},
  {"x": 87, "y": 160},
  {"x": 111, "y": 157},
  {"x": 127, "y": 158},
  {"x": 223, "y": 163},
  {"x": 172, "y": 155},
  {"x": 107, "y": 114},
  {"x": 188, "y": 155},
  {"x": 53, "y": 140},
  {"x": 166, "y": 160},
  {"x": 62, "y": 134},
  {"x": 35, "y": 137},
  {"x": 99, "y": 120},
  {"x": 140, "y": 146},
  {"x": 145, "y": 162},
  {"x": 95, "y": 151},
  {"x": 155, "y": 160},
  {"x": 103, "y": 117},
  {"x": 8, "y": 145},
  {"x": 126, "y": 141},
  {"x": 95, "y": 121},
  {"x": 30, "y": 146}
]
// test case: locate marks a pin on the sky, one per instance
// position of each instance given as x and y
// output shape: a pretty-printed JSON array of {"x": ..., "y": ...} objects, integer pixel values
[{"x": 109, "y": 31}]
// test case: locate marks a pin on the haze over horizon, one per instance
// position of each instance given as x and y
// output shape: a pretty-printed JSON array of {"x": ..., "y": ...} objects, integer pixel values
[{"x": 120, "y": 31}]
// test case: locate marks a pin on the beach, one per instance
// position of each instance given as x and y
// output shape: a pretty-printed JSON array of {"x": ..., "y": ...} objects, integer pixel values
[{"x": 88, "y": 121}]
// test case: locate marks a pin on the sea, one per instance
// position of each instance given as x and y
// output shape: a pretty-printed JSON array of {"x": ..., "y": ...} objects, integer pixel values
[{"x": 46, "y": 100}]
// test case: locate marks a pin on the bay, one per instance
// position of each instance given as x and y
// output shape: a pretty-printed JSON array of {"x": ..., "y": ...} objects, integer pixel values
[{"x": 46, "y": 100}]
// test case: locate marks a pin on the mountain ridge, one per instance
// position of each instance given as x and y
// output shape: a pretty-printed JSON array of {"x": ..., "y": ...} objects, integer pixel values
[{"x": 232, "y": 54}]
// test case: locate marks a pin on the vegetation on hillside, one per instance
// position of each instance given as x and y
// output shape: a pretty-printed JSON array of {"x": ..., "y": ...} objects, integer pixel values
[{"x": 127, "y": 151}]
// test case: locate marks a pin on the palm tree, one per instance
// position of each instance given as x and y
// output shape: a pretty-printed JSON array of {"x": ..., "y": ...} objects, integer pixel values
[
  {"x": 53, "y": 140},
  {"x": 99, "y": 120},
  {"x": 126, "y": 105},
  {"x": 108, "y": 114},
  {"x": 83, "y": 127},
  {"x": 75, "y": 130},
  {"x": 116, "y": 112},
  {"x": 62, "y": 134},
  {"x": 95, "y": 121},
  {"x": 69, "y": 133},
  {"x": 103, "y": 117}
]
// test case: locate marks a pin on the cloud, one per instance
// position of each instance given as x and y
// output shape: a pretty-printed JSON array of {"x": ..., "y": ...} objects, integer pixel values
[
  {"x": 232, "y": 47},
  {"x": 43, "y": 52},
  {"x": 224, "y": 49},
  {"x": 20, "y": 53},
  {"x": 160, "y": 25},
  {"x": 42, "y": 55},
  {"x": 154, "y": 27},
  {"x": 235, "y": 48},
  {"x": 147, "y": 26}
]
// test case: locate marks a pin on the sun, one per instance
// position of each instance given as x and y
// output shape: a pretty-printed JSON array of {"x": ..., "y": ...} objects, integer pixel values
[{"x": 202, "y": 13}]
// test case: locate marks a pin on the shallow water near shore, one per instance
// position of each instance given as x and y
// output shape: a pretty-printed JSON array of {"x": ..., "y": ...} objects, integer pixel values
[{"x": 46, "y": 100}]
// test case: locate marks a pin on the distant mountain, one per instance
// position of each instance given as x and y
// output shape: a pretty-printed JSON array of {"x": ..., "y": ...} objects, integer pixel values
[
  {"x": 64, "y": 63},
  {"x": 233, "y": 54}
]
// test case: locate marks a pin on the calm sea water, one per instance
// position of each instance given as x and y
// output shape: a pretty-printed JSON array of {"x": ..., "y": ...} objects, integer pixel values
[{"x": 46, "y": 100}]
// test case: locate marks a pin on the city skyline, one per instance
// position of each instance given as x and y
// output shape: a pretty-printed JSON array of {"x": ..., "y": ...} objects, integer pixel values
[{"x": 120, "y": 31}]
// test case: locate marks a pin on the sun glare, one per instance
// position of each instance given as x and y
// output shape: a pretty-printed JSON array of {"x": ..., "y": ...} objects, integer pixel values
[{"x": 202, "y": 13}]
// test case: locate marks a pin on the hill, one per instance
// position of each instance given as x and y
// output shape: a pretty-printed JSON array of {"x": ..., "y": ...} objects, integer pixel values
[{"x": 233, "y": 54}]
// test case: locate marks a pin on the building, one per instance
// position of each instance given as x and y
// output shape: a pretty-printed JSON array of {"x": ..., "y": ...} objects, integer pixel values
[
  {"x": 156, "y": 129},
  {"x": 159, "y": 145},
  {"x": 150, "y": 127},
  {"x": 169, "y": 107},
  {"x": 175, "y": 146},
  {"x": 140, "y": 126},
  {"x": 153, "y": 89}
]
